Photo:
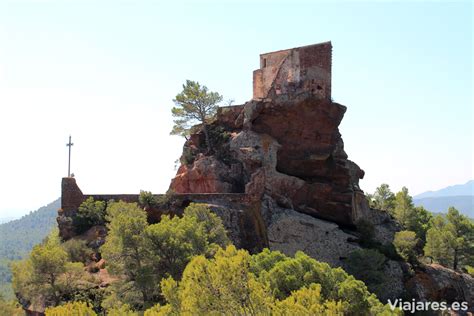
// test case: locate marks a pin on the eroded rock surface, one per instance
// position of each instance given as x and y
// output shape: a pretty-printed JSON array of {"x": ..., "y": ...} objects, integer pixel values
[
  {"x": 434, "y": 283},
  {"x": 288, "y": 149},
  {"x": 291, "y": 231}
]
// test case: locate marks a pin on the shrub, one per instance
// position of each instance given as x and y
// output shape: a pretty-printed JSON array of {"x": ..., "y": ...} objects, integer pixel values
[
  {"x": 366, "y": 230},
  {"x": 188, "y": 156},
  {"x": 71, "y": 309},
  {"x": 77, "y": 250},
  {"x": 470, "y": 270},
  {"x": 367, "y": 265},
  {"x": 147, "y": 199},
  {"x": 405, "y": 242},
  {"x": 235, "y": 283},
  {"x": 90, "y": 213}
]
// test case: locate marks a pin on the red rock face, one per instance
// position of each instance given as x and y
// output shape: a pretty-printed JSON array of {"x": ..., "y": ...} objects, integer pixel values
[
  {"x": 311, "y": 149},
  {"x": 204, "y": 176},
  {"x": 290, "y": 150},
  {"x": 308, "y": 134}
]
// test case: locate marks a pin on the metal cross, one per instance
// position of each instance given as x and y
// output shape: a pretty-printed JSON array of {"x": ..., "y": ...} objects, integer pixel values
[{"x": 69, "y": 164}]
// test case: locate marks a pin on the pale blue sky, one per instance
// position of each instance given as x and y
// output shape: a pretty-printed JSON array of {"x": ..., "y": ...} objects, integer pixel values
[{"x": 107, "y": 71}]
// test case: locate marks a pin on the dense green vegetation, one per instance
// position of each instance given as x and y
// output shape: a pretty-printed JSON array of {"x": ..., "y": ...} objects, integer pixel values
[
  {"x": 450, "y": 240},
  {"x": 187, "y": 265},
  {"x": 447, "y": 240},
  {"x": 10, "y": 308},
  {"x": 18, "y": 238},
  {"x": 90, "y": 213},
  {"x": 235, "y": 282},
  {"x": 184, "y": 265}
]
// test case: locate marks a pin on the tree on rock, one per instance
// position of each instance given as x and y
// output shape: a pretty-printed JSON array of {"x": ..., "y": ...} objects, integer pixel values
[
  {"x": 195, "y": 104},
  {"x": 405, "y": 242},
  {"x": 451, "y": 242},
  {"x": 403, "y": 207},
  {"x": 383, "y": 198}
]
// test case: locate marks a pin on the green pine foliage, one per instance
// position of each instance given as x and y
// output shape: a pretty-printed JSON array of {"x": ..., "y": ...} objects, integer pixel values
[
  {"x": 183, "y": 265},
  {"x": 447, "y": 240},
  {"x": 270, "y": 283},
  {"x": 194, "y": 104},
  {"x": 71, "y": 309},
  {"x": 416, "y": 219},
  {"x": 368, "y": 265},
  {"x": 48, "y": 277},
  {"x": 10, "y": 308},
  {"x": 144, "y": 254},
  {"x": 405, "y": 242},
  {"x": 382, "y": 199},
  {"x": 90, "y": 213},
  {"x": 450, "y": 240}
]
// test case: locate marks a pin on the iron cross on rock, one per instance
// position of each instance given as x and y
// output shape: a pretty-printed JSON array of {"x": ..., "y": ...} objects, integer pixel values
[{"x": 69, "y": 163}]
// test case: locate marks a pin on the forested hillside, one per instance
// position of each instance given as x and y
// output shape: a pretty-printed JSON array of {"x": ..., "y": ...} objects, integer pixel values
[
  {"x": 19, "y": 236},
  {"x": 181, "y": 265}
]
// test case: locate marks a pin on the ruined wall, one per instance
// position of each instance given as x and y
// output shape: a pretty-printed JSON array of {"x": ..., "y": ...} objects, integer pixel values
[
  {"x": 72, "y": 196},
  {"x": 258, "y": 89},
  {"x": 294, "y": 71},
  {"x": 270, "y": 64},
  {"x": 240, "y": 214},
  {"x": 316, "y": 68}
]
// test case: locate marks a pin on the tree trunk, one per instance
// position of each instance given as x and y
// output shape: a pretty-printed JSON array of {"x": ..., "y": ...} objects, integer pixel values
[
  {"x": 206, "y": 134},
  {"x": 455, "y": 260}
]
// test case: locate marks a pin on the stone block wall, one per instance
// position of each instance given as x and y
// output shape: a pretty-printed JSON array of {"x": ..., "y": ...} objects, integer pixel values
[{"x": 294, "y": 71}]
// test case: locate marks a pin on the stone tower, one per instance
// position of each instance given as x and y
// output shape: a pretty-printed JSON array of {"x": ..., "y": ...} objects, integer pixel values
[{"x": 294, "y": 71}]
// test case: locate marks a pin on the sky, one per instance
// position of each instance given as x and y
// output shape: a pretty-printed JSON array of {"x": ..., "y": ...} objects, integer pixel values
[{"x": 106, "y": 73}]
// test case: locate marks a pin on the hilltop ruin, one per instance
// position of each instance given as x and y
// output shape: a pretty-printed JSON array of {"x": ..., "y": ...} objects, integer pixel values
[{"x": 279, "y": 177}]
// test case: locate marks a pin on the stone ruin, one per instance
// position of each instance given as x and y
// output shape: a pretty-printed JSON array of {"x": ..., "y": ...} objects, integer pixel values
[
  {"x": 293, "y": 71},
  {"x": 279, "y": 153},
  {"x": 278, "y": 174}
]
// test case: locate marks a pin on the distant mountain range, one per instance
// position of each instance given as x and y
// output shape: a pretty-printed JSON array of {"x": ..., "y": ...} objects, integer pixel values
[
  {"x": 461, "y": 196},
  {"x": 466, "y": 189},
  {"x": 17, "y": 238}
]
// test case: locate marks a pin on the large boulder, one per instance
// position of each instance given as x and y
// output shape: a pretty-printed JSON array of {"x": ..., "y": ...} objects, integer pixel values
[
  {"x": 435, "y": 283},
  {"x": 290, "y": 231},
  {"x": 205, "y": 175},
  {"x": 290, "y": 149}
]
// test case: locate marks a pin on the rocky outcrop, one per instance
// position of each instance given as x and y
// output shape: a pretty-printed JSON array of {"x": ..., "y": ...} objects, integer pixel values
[
  {"x": 278, "y": 177},
  {"x": 286, "y": 157},
  {"x": 284, "y": 154},
  {"x": 435, "y": 283},
  {"x": 205, "y": 175},
  {"x": 291, "y": 231},
  {"x": 288, "y": 149}
]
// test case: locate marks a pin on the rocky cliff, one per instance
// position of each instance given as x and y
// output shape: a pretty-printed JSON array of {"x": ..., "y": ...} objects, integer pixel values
[
  {"x": 285, "y": 159},
  {"x": 288, "y": 150},
  {"x": 286, "y": 156},
  {"x": 278, "y": 177},
  {"x": 285, "y": 153}
]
